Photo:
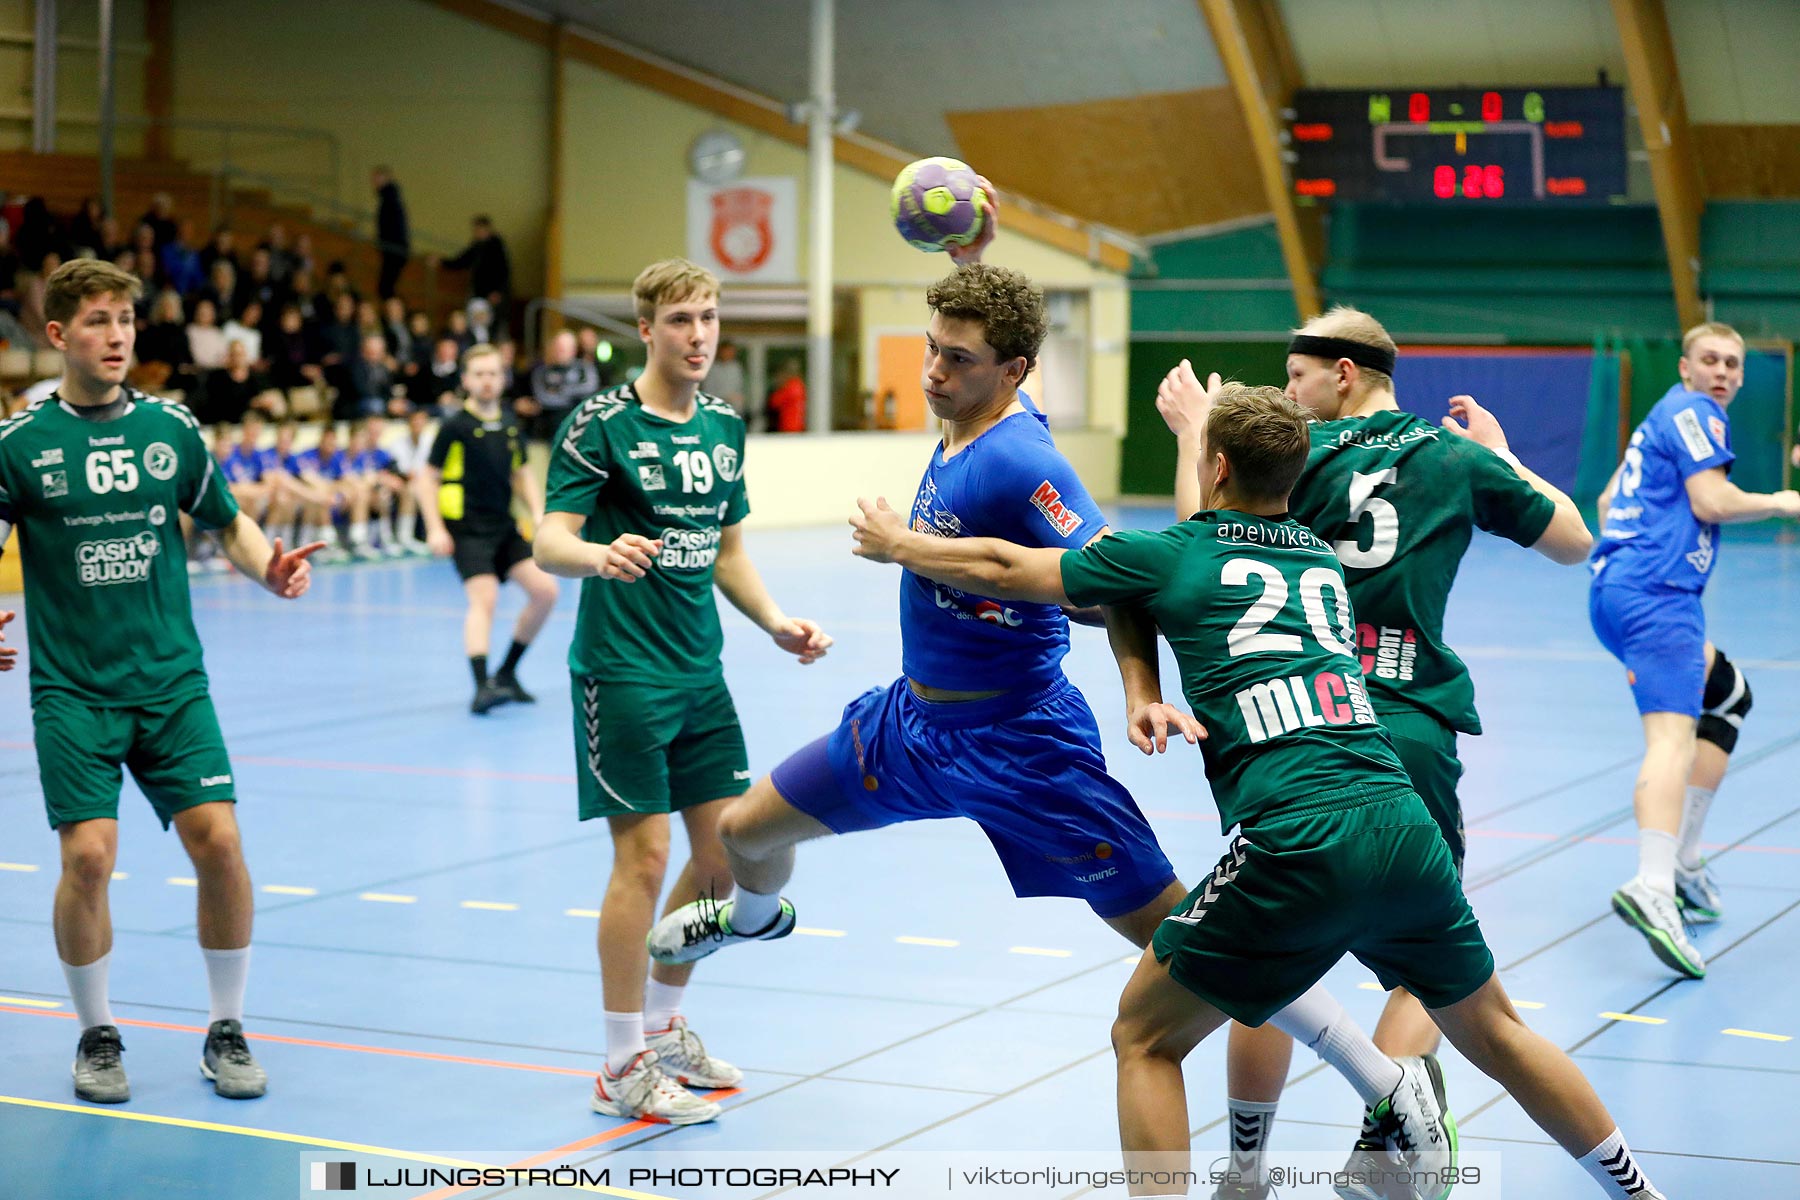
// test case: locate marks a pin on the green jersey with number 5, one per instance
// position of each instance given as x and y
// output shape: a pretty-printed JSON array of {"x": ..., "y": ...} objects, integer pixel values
[
  {"x": 97, "y": 505},
  {"x": 630, "y": 471},
  {"x": 1397, "y": 497},
  {"x": 1258, "y": 615}
]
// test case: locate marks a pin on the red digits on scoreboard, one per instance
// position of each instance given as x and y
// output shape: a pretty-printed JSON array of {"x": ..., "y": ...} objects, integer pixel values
[
  {"x": 1493, "y": 182},
  {"x": 1490, "y": 106},
  {"x": 1478, "y": 182},
  {"x": 1443, "y": 182},
  {"x": 1418, "y": 107}
]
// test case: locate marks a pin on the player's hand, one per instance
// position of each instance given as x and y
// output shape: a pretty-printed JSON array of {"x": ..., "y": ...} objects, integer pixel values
[
  {"x": 1790, "y": 503},
  {"x": 990, "y": 225},
  {"x": 801, "y": 638},
  {"x": 289, "y": 575},
  {"x": 440, "y": 543},
  {"x": 8, "y": 654},
  {"x": 628, "y": 557},
  {"x": 1183, "y": 400},
  {"x": 878, "y": 531},
  {"x": 1482, "y": 425},
  {"x": 1794, "y": 455},
  {"x": 1150, "y": 725}
]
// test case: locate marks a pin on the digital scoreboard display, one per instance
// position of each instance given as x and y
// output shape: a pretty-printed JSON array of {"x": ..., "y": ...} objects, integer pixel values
[{"x": 1460, "y": 146}]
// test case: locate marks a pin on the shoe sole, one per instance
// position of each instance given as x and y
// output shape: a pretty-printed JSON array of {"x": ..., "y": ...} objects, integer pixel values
[
  {"x": 1696, "y": 914},
  {"x": 1660, "y": 943},
  {"x": 705, "y": 1083},
  {"x": 212, "y": 1077},
  {"x": 607, "y": 1108},
  {"x": 93, "y": 1097},
  {"x": 1435, "y": 1073}
]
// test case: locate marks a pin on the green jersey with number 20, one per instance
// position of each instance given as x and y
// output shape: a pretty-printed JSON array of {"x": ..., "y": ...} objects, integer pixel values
[
  {"x": 630, "y": 471},
  {"x": 97, "y": 507},
  {"x": 1398, "y": 497},
  {"x": 1258, "y": 615}
]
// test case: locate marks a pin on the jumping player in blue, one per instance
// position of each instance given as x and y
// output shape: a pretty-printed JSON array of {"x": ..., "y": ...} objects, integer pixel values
[
  {"x": 1659, "y": 539},
  {"x": 983, "y": 723}
]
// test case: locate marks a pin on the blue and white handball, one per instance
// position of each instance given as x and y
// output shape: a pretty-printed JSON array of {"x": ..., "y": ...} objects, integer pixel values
[{"x": 937, "y": 204}]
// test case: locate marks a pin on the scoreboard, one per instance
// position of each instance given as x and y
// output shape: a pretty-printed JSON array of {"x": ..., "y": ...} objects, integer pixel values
[{"x": 1459, "y": 146}]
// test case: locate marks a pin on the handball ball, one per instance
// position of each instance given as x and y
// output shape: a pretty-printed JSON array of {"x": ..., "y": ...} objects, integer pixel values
[{"x": 937, "y": 204}]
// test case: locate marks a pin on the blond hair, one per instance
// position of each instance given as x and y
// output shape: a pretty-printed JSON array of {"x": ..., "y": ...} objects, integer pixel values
[
  {"x": 1709, "y": 329},
  {"x": 82, "y": 279},
  {"x": 1354, "y": 325},
  {"x": 1263, "y": 435},
  {"x": 478, "y": 350},
  {"x": 671, "y": 281}
]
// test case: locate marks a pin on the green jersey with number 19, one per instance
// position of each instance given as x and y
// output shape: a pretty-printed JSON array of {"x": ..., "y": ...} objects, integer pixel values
[
  {"x": 1398, "y": 497},
  {"x": 1258, "y": 615},
  {"x": 630, "y": 471},
  {"x": 97, "y": 507}
]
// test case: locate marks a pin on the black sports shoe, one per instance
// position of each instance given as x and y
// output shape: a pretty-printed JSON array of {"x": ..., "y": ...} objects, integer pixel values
[
  {"x": 489, "y": 695},
  {"x": 228, "y": 1063},
  {"x": 510, "y": 685},
  {"x": 99, "y": 1073}
]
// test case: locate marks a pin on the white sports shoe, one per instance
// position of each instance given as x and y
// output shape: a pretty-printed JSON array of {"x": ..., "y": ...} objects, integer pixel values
[
  {"x": 695, "y": 930},
  {"x": 1655, "y": 915},
  {"x": 642, "y": 1092},
  {"x": 684, "y": 1058},
  {"x": 1409, "y": 1133},
  {"x": 1697, "y": 895}
]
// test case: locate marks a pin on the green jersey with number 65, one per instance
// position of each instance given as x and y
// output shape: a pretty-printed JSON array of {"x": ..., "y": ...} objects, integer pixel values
[
  {"x": 1258, "y": 615},
  {"x": 97, "y": 505},
  {"x": 630, "y": 471},
  {"x": 1397, "y": 497}
]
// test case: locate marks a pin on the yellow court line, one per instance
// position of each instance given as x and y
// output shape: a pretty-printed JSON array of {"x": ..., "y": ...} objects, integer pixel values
[
  {"x": 592, "y": 914},
  {"x": 490, "y": 905},
  {"x": 1527, "y": 1004},
  {"x": 1369, "y": 985},
  {"x": 298, "y": 1139},
  {"x": 121, "y": 875},
  {"x": 1041, "y": 953},
  {"x": 810, "y": 931},
  {"x": 284, "y": 889},
  {"x": 1634, "y": 1018},
  {"x": 924, "y": 941},
  {"x": 1751, "y": 1033},
  {"x": 58, "y": 1004},
  {"x": 181, "y": 881},
  {"x": 6, "y": 866},
  {"x": 388, "y": 898}
]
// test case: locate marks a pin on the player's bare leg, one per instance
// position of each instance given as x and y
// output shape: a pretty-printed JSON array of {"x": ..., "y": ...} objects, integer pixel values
[
  {"x": 82, "y": 920},
  {"x": 1647, "y": 901},
  {"x": 1159, "y": 1023},
  {"x": 226, "y": 910},
  {"x": 483, "y": 592},
  {"x": 1139, "y": 926},
  {"x": 1405, "y": 1029},
  {"x": 540, "y": 598}
]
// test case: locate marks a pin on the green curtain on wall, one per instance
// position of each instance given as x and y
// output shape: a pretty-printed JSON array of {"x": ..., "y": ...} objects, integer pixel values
[{"x": 1147, "y": 456}]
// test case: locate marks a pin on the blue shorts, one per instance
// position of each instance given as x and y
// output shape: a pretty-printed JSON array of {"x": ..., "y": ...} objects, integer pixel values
[
  {"x": 1026, "y": 767},
  {"x": 1660, "y": 636}
]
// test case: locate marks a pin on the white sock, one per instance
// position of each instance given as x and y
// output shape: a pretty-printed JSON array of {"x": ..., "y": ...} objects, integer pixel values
[
  {"x": 316, "y": 533},
  {"x": 754, "y": 911},
  {"x": 1251, "y": 1121},
  {"x": 359, "y": 533},
  {"x": 662, "y": 1004},
  {"x": 1693, "y": 817},
  {"x": 87, "y": 987},
  {"x": 1614, "y": 1169},
  {"x": 1317, "y": 1021},
  {"x": 385, "y": 527},
  {"x": 1656, "y": 860},
  {"x": 624, "y": 1039},
  {"x": 227, "y": 971}
]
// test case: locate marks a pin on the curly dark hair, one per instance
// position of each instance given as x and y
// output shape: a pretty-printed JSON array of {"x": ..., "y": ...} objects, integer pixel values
[{"x": 1009, "y": 306}]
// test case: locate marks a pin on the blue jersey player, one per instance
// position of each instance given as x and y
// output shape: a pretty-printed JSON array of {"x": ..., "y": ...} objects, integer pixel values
[
  {"x": 983, "y": 723},
  {"x": 1659, "y": 539}
]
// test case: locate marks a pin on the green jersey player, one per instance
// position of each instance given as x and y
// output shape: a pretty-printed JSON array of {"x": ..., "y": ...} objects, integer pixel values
[
  {"x": 96, "y": 479},
  {"x": 1398, "y": 498},
  {"x": 646, "y": 504},
  {"x": 1336, "y": 853}
]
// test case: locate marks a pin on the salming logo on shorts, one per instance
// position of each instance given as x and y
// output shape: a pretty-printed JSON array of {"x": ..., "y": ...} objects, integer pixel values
[{"x": 1222, "y": 877}]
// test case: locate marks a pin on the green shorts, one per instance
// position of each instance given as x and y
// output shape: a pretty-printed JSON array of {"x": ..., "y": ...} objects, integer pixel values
[
  {"x": 640, "y": 748},
  {"x": 1364, "y": 875},
  {"x": 1427, "y": 749},
  {"x": 173, "y": 749}
]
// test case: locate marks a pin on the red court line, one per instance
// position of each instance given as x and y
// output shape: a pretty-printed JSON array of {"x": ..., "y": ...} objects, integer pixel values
[{"x": 352, "y": 1047}]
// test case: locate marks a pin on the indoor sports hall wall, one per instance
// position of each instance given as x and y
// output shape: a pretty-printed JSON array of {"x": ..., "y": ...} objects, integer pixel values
[{"x": 77, "y": 80}]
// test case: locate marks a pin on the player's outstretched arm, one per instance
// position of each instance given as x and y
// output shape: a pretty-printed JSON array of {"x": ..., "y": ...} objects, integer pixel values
[
  {"x": 738, "y": 578},
  {"x": 287, "y": 575},
  {"x": 1718, "y": 501},
  {"x": 986, "y": 566},
  {"x": 425, "y": 483},
  {"x": 1566, "y": 539},
  {"x": 1149, "y": 721},
  {"x": 9, "y": 655},
  {"x": 1184, "y": 402},
  {"x": 525, "y": 487},
  {"x": 560, "y": 549}
]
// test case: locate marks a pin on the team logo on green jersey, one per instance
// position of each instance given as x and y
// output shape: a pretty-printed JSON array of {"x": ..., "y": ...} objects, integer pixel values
[
  {"x": 651, "y": 477},
  {"x": 56, "y": 483},
  {"x": 160, "y": 461},
  {"x": 726, "y": 459},
  {"x": 116, "y": 560}
]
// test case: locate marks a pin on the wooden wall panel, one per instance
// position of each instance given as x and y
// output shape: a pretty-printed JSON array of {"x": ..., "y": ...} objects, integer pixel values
[
  {"x": 1144, "y": 164},
  {"x": 1748, "y": 162}
]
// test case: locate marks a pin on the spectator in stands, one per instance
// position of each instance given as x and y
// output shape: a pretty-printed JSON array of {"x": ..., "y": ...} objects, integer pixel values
[
  {"x": 303, "y": 255},
  {"x": 513, "y": 383},
  {"x": 368, "y": 321},
  {"x": 282, "y": 259},
  {"x": 456, "y": 325},
  {"x": 221, "y": 287},
  {"x": 111, "y": 238},
  {"x": 337, "y": 282},
  {"x": 9, "y": 272},
  {"x": 787, "y": 400},
  {"x": 291, "y": 352},
  {"x": 391, "y": 233},
  {"x": 206, "y": 341},
  {"x": 238, "y": 387},
  {"x": 246, "y": 327},
  {"x": 86, "y": 229},
  {"x": 161, "y": 219},
  {"x": 164, "y": 342},
  {"x": 726, "y": 379},
  {"x": 304, "y": 296},
  {"x": 148, "y": 258},
  {"x": 395, "y": 329},
  {"x": 490, "y": 271},
  {"x": 38, "y": 235},
  {"x": 223, "y": 245},
  {"x": 373, "y": 378},
  {"x": 180, "y": 261},
  {"x": 31, "y": 301},
  {"x": 481, "y": 322},
  {"x": 558, "y": 383},
  {"x": 435, "y": 385},
  {"x": 258, "y": 283},
  {"x": 389, "y": 496}
]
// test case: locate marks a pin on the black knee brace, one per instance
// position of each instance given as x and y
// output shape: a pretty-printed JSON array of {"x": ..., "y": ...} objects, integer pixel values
[{"x": 1724, "y": 704}]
